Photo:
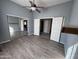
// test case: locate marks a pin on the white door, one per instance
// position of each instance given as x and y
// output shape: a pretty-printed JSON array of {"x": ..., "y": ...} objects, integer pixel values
[
  {"x": 56, "y": 28},
  {"x": 36, "y": 26}
]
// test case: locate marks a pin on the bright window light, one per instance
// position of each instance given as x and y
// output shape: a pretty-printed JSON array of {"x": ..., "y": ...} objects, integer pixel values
[{"x": 11, "y": 31}]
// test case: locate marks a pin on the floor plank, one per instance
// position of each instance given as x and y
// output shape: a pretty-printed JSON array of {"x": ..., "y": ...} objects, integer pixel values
[{"x": 32, "y": 47}]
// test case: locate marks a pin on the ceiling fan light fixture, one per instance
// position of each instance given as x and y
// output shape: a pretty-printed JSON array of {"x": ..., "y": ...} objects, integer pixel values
[{"x": 33, "y": 8}]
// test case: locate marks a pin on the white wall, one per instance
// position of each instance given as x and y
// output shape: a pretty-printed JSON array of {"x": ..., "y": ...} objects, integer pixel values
[
  {"x": 49, "y": 25},
  {"x": 46, "y": 26}
]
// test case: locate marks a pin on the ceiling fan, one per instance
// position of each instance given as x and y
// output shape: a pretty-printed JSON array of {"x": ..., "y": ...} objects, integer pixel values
[{"x": 34, "y": 7}]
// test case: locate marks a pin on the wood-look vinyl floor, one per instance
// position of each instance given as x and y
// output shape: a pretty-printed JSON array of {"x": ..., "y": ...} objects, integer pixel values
[{"x": 32, "y": 47}]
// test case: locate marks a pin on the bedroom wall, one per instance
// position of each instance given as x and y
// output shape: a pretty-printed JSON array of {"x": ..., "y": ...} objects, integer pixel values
[
  {"x": 5, "y": 35},
  {"x": 7, "y": 7},
  {"x": 64, "y": 9},
  {"x": 12, "y": 9},
  {"x": 69, "y": 11},
  {"x": 0, "y": 28},
  {"x": 57, "y": 10},
  {"x": 72, "y": 40},
  {"x": 74, "y": 15}
]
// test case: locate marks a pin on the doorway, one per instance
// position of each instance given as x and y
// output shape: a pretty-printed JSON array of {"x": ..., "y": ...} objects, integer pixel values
[
  {"x": 45, "y": 27},
  {"x": 57, "y": 23},
  {"x": 25, "y": 25}
]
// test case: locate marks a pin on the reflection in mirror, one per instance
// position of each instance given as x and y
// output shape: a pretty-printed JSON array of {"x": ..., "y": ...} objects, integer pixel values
[{"x": 16, "y": 27}]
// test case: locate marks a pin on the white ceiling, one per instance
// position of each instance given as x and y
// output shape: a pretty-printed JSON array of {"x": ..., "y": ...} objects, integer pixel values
[{"x": 44, "y": 3}]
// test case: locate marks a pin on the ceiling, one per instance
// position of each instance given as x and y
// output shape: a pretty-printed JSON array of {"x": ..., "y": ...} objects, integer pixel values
[{"x": 43, "y": 3}]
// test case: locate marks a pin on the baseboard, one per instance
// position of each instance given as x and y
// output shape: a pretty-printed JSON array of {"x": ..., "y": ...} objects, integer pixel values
[
  {"x": 30, "y": 33},
  {"x": 4, "y": 41}
]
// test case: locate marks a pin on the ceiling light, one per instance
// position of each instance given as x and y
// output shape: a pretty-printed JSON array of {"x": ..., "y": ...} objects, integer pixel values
[{"x": 33, "y": 8}]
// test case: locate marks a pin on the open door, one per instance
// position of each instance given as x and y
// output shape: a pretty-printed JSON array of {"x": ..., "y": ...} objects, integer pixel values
[
  {"x": 36, "y": 26},
  {"x": 45, "y": 27},
  {"x": 56, "y": 28}
]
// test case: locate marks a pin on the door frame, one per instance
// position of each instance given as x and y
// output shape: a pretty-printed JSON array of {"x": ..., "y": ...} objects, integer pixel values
[
  {"x": 37, "y": 32},
  {"x": 49, "y": 19}
]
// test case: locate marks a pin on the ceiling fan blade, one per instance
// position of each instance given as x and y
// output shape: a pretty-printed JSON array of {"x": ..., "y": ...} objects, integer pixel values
[
  {"x": 27, "y": 6},
  {"x": 38, "y": 10},
  {"x": 40, "y": 7},
  {"x": 32, "y": 4}
]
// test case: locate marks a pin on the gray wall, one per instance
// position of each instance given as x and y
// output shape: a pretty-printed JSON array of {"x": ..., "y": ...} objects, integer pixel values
[
  {"x": 31, "y": 24},
  {"x": 69, "y": 10},
  {"x": 58, "y": 10},
  {"x": 0, "y": 27},
  {"x": 4, "y": 28},
  {"x": 73, "y": 23},
  {"x": 74, "y": 14},
  {"x": 10, "y": 8}
]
